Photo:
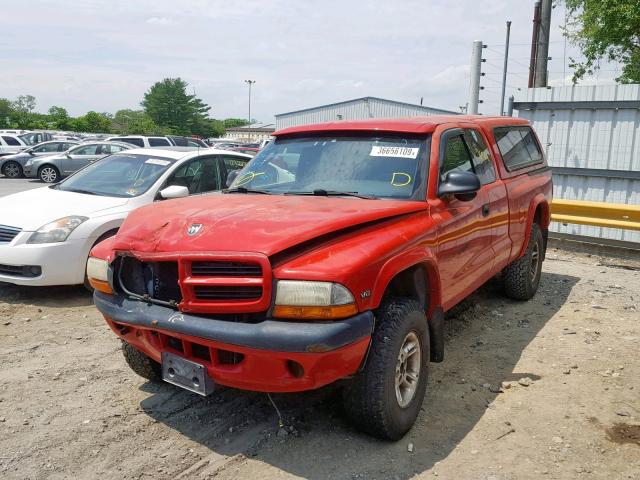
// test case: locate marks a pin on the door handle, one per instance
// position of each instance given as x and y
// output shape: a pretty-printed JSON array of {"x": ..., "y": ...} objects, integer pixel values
[{"x": 485, "y": 210}]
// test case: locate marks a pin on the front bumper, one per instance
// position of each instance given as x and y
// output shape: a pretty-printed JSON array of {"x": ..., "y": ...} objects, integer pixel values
[
  {"x": 29, "y": 171},
  {"x": 263, "y": 353},
  {"x": 61, "y": 263}
]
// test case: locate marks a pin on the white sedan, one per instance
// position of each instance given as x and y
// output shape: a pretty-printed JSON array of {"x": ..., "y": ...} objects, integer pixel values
[{"x": 46, "y": 233}]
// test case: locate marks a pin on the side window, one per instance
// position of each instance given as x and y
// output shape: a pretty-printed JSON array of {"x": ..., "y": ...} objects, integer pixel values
[
  {"x": 482, "y": 163},
  {"x": 11, "y": 141},
  {"x": 49, "y": 147},
  {"x": 158, "y": 142},
  {"x": 456, "y": 157},
  {"x": 88, "y": 150},
  {"x": 518, "y": 147},
  {"x": 228, "y": 164},
  {"x": 109, "y": 149},
  {"x": 138, "y": 142},
  {"x": 199, "y": 175},
  {"x": 66, "y": 146}
]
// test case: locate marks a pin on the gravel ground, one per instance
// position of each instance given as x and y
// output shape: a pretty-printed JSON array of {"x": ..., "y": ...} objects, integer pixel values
[{"x": 541, "y": 389}]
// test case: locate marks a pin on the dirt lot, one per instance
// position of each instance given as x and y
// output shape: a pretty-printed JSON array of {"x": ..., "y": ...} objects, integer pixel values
[{"x": 70, "y": 408}]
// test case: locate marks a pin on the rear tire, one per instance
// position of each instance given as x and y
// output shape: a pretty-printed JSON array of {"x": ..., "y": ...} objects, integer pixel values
[
  {"x": 384, "y": 400},
  {"x": 12, "y": 170},
  {"x": 141, "y": 363},
  {"x": 49, "y": 174},
  {"x": 522, "y": 276}
]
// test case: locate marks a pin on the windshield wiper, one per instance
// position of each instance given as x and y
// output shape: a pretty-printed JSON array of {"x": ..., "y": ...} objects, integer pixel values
[
  {"x": 78, "y": 190},
  {"x": 245, "y": 190},
  {"x": 320, "y": 192}
]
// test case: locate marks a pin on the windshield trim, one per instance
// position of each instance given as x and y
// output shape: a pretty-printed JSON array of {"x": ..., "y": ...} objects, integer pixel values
[{"x": 419, "y": 192}]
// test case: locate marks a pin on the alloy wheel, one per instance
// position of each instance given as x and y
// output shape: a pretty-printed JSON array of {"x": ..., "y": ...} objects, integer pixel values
[
  {"x": 408, "y": 369},
  {"x": 48, "y": 175}
]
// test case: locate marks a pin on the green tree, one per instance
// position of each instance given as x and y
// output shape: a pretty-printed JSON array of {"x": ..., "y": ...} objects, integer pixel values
[
  {"x": 5, "y": 112},
  {"x": 22, "y": 108},
  {"x": 170, "y": 106},
  {"x": 235, "y": 122},
  {"x": 135, "y": 122},
  {"x": 606, "y": 29},
  {"x": 59, "y": 118},
  {"x": 93, "y": 122}
]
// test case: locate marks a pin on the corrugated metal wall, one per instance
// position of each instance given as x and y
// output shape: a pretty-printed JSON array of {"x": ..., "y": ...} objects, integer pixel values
[
  {"x": 595, "y": 129},
  {"x": 359, "y": 109}
]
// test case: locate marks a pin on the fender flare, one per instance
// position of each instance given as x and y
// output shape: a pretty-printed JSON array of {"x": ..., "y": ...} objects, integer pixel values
[
  {"x": 418, "y": 256},
  {"x": 538, "y": 200}
]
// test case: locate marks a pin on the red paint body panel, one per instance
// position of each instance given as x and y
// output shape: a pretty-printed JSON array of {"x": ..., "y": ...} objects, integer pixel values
[
  {"x": 259, "y": 370},
  {"x": 361, "y": 244}
]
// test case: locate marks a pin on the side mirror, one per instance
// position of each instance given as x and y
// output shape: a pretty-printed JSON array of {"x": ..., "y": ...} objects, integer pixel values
[
  {"x": 174, "y": 191},
  {"x": 462, "y": 185},
  {"x": 68, "y": 155},
  {"x": 231, "y": 176}
]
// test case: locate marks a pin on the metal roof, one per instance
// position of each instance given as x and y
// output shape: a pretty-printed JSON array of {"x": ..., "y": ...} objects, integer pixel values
[{"x": 364, "y": 99}]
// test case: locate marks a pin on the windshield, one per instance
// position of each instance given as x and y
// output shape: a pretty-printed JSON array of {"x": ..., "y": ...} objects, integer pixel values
[
  {"x": 118, "y": 175},
  {"x": 377, "y": 166}
]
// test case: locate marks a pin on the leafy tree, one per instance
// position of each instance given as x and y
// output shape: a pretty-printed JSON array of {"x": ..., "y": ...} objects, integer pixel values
[
  {"x": 606, "y": 29},
  {"x": 5, "y": 112},
  {"x": 235, "y": 122},
  {"x": 91, "y": 122},
  {"x": 22, "y": 108},
  {"x": 169, "y": 105},
  {"x": 59, "y": 118},
  {"x": 136, "y": 122}
]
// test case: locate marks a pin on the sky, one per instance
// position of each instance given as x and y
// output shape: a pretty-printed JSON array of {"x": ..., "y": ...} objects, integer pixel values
[{"x": 103, "y": 55}]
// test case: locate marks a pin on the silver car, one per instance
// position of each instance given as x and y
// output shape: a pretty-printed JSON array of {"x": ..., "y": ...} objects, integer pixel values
[
  {"x": 12, "y": 165},
  {"x": 52, "y": 169}
]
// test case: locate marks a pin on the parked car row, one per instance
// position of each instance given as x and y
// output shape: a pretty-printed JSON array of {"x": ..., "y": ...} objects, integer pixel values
[{"x": 46, "y": 233}]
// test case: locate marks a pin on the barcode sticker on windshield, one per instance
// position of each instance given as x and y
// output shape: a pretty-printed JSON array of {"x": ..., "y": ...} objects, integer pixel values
[
  {"x": 156, "y": 161},
  {"x": 397, "y": 152}
]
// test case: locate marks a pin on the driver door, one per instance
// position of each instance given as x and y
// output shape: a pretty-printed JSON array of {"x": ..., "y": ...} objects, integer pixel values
[
  {"x": 79, "y": 158},
  {"x": 464, "y": 251}
]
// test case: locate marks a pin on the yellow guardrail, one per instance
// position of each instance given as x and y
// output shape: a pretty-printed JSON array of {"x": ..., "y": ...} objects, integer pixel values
[{"x": 597, "y": 214}]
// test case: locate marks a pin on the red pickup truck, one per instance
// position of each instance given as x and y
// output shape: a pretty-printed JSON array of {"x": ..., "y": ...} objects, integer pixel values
[{"x": 332, "y": 256}]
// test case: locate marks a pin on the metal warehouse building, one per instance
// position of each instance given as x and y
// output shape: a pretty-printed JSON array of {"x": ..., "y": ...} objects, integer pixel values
[{"x": 357, "y": 109}]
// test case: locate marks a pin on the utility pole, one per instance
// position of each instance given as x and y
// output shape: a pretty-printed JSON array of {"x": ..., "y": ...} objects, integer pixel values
[
  {"x": 504, "y": 68},
  {"x": 249, "y": 82},
  {"x": 542, "y": 49},
  {"x": 534, "y": 43},
  {"x": 474, "y": 84}
]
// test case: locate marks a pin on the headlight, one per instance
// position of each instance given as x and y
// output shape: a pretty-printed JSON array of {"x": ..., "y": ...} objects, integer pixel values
[
  {"x": 313, "y": 300},
  {"x": 57, "y": 231},
  {"x": 98, "y": 274}
]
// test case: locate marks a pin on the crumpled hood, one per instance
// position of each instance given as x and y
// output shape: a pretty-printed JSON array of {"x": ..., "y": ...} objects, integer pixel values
[
  {"x": 248, "y": 222},
  {"x": 32, "y": 209}
]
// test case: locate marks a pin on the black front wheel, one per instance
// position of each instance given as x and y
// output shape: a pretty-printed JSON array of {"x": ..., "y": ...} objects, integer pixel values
[
  {"x": 12, "y": 170},
  {"x": 140, "y": 363},
  {"x": 384, "y": 399}
]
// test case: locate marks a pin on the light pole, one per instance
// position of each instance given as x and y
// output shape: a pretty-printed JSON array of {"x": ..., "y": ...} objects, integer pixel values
[{"x": 249, "y": 82}]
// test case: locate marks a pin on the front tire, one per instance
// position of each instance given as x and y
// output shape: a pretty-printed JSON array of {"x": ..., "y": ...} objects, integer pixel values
[
  {"x": 49, "y": 174},
  {"x": 522, "y": 276},
  {"x": 140, "y": 363},
  {"x": 12, "y": 170},
  {"x": 384, "y": 400}
]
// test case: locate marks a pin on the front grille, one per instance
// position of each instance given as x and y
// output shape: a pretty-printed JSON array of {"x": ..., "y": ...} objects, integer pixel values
[
  {"x": 225, "y": 269},
  {"x": 158, "y": 280},
  {"x": 227, "y": 293},
  {"x": 8, "y": 233},
  {"x": 27, "y": 271}
]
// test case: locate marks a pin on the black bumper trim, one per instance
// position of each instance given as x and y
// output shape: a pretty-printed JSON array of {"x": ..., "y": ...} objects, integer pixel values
[{"x": 276, "y": 335}]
